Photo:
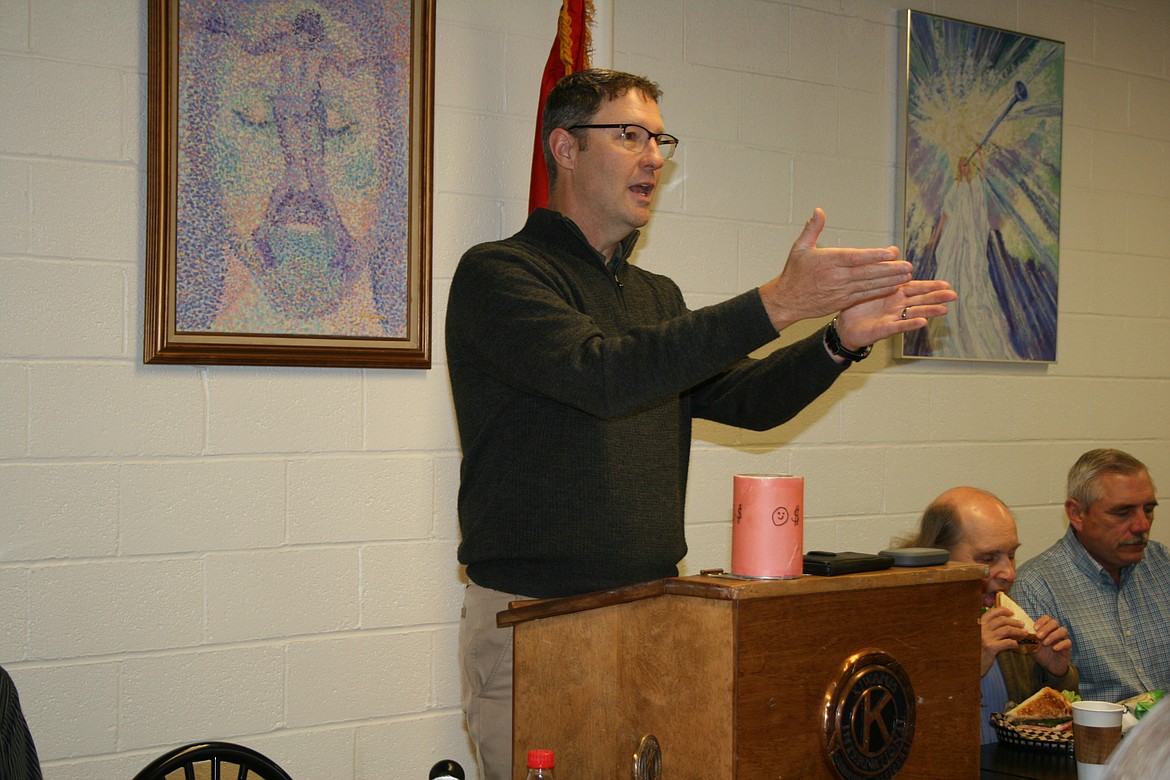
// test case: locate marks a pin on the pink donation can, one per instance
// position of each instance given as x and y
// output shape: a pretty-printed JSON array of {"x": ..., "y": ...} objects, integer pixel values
[{"x": 767, "y": 533}]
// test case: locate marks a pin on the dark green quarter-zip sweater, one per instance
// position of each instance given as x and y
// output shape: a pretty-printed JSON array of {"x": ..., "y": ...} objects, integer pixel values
[{"x": 575, "y": 384}]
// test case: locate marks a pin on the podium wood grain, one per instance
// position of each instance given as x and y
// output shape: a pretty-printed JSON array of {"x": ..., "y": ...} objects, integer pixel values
[{"x": 732, "y": 676}]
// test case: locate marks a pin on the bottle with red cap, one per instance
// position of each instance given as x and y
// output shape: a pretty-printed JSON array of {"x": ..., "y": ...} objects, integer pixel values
[{"x": 540, "y": 764}]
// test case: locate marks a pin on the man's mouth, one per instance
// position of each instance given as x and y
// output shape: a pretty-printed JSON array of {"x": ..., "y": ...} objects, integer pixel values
[{"x": 643, "y": 189}]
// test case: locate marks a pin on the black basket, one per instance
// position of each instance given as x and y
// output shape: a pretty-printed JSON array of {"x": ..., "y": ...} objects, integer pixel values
[{"x": 1060, "y": 742}]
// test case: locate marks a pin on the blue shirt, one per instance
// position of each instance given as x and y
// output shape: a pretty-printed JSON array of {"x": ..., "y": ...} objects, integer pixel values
[
  {"x": 993, "y": 696},
  {"x": 1120, "y": 633}
]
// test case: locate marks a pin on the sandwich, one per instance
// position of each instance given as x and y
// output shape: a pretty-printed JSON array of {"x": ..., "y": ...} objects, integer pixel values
[
  {"x": 1030, "y": 643},
  {"x": 1045, "y": 710}
]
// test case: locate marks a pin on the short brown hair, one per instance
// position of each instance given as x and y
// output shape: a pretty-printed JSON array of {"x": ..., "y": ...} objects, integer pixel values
[
  {"x": 940, "y": 527},
  {"x": 577, "y": 98}
]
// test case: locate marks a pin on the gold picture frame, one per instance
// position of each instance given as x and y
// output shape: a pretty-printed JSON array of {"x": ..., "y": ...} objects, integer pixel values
[{"x": 289, "y": 165}]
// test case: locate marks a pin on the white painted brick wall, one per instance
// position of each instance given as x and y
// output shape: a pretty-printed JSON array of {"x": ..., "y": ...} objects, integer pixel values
[
  {"x": 114, "y": 409},
  {"x": 167, "y": 694},
  {"x": 257, "y": 594},
  {"x": 68, "y": 109},
  {"x": 195, "y": 506},
  {"x": 408, "y": 583},
  {"x": 60, "y": 511},
  {"x": 283, "y": 410},
  {"x": 94, "y": 296},
  {"x": 85, "y": 210},
  {"x": 346, "y": 500},
  {"x": 14, "y": 616},
  {"x": 78, "y": 707},
  {"x": 267, "y": 554},
  {"x": 366, "y": 676}
]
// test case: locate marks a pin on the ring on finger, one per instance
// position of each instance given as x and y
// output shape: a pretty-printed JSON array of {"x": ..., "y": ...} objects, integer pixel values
[{"x": 905, "y": 312}]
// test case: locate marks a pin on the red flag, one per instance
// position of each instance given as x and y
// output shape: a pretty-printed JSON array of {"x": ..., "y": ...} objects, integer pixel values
[{"x": 570, "y": 53}]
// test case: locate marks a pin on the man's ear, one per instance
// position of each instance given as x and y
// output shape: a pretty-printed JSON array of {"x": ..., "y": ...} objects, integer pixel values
[
  {"x": 1075, "y": 514},
  {"x": 564, "y": 147}
]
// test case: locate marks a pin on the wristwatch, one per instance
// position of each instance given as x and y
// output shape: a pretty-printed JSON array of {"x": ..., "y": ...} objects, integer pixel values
[{"x": 834, "y": 345}]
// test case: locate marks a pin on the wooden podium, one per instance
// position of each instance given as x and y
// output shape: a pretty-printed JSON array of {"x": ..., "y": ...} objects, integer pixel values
[{"x": 854, "y": 676}]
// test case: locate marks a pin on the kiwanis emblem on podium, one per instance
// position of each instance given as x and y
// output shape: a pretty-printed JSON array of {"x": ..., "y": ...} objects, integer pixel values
[{"x": 869, "y": 718}]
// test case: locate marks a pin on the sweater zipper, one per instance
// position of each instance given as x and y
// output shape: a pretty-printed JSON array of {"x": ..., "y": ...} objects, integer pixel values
[{"x": 611, "y": 269}]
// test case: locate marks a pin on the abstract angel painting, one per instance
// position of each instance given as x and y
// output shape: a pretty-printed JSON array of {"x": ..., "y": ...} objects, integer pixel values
[{"x": 982, "y": 186}]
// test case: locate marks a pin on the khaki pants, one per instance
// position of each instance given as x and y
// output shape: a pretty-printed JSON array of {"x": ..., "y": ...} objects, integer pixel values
[{"x": 486, "y": 653}]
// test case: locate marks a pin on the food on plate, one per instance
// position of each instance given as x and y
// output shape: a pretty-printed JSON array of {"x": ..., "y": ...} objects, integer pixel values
[
  {"x": 1030, "y": 643},
  {"x": 1045, "y": 710},
  {"x": 1142, "y": 703}
]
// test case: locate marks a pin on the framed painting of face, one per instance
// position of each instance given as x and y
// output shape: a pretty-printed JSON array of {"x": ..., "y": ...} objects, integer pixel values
[
  {"x": 981, "y": 134},
  {"x": 289, "y": 182}
]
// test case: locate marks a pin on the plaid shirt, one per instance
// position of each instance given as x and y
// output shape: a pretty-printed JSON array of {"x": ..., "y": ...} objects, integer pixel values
[{"x": 1120, "y": 635}]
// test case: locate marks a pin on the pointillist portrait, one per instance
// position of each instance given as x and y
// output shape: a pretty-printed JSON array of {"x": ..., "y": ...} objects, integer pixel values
[
  {"x": 293, "y": 154},
  {"x": 982, "y": 187}
]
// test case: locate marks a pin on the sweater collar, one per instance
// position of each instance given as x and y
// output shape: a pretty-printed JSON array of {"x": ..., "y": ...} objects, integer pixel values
[{"x": 550, "y": 224}]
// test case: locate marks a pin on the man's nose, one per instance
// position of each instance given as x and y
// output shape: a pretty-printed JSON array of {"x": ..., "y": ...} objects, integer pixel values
[{"x": 652, "y": 155}]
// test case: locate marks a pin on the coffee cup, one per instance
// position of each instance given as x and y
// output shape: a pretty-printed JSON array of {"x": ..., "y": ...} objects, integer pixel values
[{"x": 1096, "y": 732}]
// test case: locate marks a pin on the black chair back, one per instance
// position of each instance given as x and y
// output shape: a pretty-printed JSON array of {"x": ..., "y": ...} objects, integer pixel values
[{"x": 248, "y": 763}]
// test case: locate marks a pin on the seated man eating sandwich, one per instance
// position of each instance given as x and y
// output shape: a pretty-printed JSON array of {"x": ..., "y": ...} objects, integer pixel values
[{"x": 976, "y": 527}]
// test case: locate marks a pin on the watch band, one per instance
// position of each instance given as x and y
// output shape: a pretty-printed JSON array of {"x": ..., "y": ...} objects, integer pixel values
[{"x": 833, "y": 342}]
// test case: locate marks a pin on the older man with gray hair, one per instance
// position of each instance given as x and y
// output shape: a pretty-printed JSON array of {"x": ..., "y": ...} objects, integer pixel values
[{"x": 1106, "y": 580}]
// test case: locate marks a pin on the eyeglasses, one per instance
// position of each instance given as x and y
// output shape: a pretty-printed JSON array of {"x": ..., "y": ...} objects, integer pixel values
[{"x": 635, "y": 137}]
